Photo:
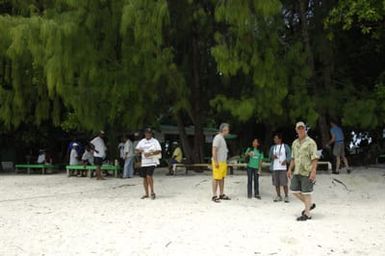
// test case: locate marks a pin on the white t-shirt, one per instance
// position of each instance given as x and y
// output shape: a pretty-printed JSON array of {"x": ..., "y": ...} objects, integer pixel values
[
  {"x": 128, "y": 149},
  {"x": 121, "y": 150},
  {"x": 74, "y": 157},
  {"x": 41, "y": 158},
  {"x": 100, "y": 147},
  {"x": 88, "y": 156},
  {"x": 219, "y": 143},
  {"x": 149, "y": 146},
  {"x": 280, "y": 152}
]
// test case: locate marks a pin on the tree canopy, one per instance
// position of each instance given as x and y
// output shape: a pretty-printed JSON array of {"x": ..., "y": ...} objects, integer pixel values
[{"x": 87, "y": 65}]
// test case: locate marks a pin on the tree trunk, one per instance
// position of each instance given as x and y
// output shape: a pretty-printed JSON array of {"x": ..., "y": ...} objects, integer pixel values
[
  {"x": 324, "y": 130},
  {"x": 197, "y": 113},
  {"x": 268, "y": 138},
  {"x": 305, "y": 33},
  {"x": 322, "y": 122},
  {"x": 184, "y": 138}
]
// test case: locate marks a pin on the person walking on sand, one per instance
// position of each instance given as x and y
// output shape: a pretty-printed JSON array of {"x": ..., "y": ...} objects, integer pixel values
[
  {"x": 304, "y": 161},
  {"x": 339, "y": 147},
  {"x": 99, "y": 149},
  {"x": 150, "y": 149},
  {"x": 280, "y": 156},
  {"x": 254, "y": 168},
  {"x": 219, "y": 163}
]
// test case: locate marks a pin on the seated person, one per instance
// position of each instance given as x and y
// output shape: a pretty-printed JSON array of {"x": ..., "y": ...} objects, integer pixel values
[
  {"x": 74, "y": 156},
  {"x": 87, "y": 157},
  {"x": 41, "y": 157},
  {"x": 177, "y": 157}
]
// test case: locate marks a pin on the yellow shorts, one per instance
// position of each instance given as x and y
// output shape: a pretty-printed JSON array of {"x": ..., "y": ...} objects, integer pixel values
[{"x": 220, "y": 172}]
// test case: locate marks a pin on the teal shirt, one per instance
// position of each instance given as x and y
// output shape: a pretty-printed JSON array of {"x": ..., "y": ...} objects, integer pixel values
[{"x": 256, "y": 159}]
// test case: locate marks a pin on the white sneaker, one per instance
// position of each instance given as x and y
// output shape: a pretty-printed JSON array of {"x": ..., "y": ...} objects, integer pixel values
[{"x": 278, "y": 199}]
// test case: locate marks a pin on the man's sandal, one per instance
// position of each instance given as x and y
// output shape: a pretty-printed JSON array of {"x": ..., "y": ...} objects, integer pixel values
[
  {"x": 215, "y": 199},
  {"x": 304, "y": 218},
  {"x": 312, "y": 207},
  {"x": 224, "y": 197},
  {"x": 144, "y": 197},
  {"x": 153, "y": 196}
]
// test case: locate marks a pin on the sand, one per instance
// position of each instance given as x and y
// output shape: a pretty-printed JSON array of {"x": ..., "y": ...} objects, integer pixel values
[{"x": 56, "y": 215}]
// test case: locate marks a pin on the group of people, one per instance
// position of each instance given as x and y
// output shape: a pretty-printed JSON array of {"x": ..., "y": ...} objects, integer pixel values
[
  {"x": 94, "y": 154},
  {"x": 297, "y": 164}
]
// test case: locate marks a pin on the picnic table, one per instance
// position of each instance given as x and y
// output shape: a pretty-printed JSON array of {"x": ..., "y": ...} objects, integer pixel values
[
  {"x": 30, "y": 167},
  {"x": 91, "y": 168}
]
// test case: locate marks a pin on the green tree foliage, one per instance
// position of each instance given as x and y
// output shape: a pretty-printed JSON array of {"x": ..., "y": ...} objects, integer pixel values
[
  {"x": 363, "y": 34},
  {"x": 122, "y": 64},
  {"x": 249, "y": 46}
]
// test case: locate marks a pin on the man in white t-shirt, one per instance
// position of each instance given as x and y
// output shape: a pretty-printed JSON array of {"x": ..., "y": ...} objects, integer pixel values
[
  {"x": 99, "y": 153},
  {"x": 150, "y": 150},
  {"x": 280, "y": 157},
  {"x": 219, "y": 163}
]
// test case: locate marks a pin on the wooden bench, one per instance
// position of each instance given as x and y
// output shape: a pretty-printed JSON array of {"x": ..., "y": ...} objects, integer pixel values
[
  {"x": 30, "y": 167},
  {"x": 234, "y": 166},
  {"x": 91, "y": 168}
]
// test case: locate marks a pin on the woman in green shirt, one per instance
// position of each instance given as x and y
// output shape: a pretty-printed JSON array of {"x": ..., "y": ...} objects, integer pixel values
[{"x": 254, "y": 168}]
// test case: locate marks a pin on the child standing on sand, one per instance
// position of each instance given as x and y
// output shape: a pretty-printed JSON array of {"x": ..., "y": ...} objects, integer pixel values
[{"x": 254, "y": 168}]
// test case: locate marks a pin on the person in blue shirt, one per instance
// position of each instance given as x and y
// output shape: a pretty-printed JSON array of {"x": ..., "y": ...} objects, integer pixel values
[{"x": 339, "y": 146}]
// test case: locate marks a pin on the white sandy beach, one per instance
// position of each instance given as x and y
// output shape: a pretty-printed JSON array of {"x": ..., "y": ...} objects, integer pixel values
[{"x": 56, "y": 215}]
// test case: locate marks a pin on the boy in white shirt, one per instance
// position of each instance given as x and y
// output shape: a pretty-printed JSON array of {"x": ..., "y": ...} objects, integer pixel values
[
  {"x": 88, "y": 157},
  {"x": 280, "y": 157},
  {"x": 150, "y": 150}
]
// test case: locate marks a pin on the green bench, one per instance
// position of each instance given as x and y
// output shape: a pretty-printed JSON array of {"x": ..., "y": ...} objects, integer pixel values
[
  {"x": 29, "y": 167},
  {"x": 91, "y": 168}
]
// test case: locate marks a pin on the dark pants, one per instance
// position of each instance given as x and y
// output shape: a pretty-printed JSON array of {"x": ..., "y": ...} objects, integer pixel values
[{"x": 252, "y": 174}]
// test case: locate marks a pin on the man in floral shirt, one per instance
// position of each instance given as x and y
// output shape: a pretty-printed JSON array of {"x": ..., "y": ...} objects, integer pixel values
[{"x": 304, "y": 161}]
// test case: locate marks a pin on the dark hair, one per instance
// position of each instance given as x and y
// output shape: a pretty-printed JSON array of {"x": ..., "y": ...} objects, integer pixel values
[
  {"x": 257, "y": 139},
  {"x": 333, "y": 121},
  {"x": 279, "y": 135}
]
